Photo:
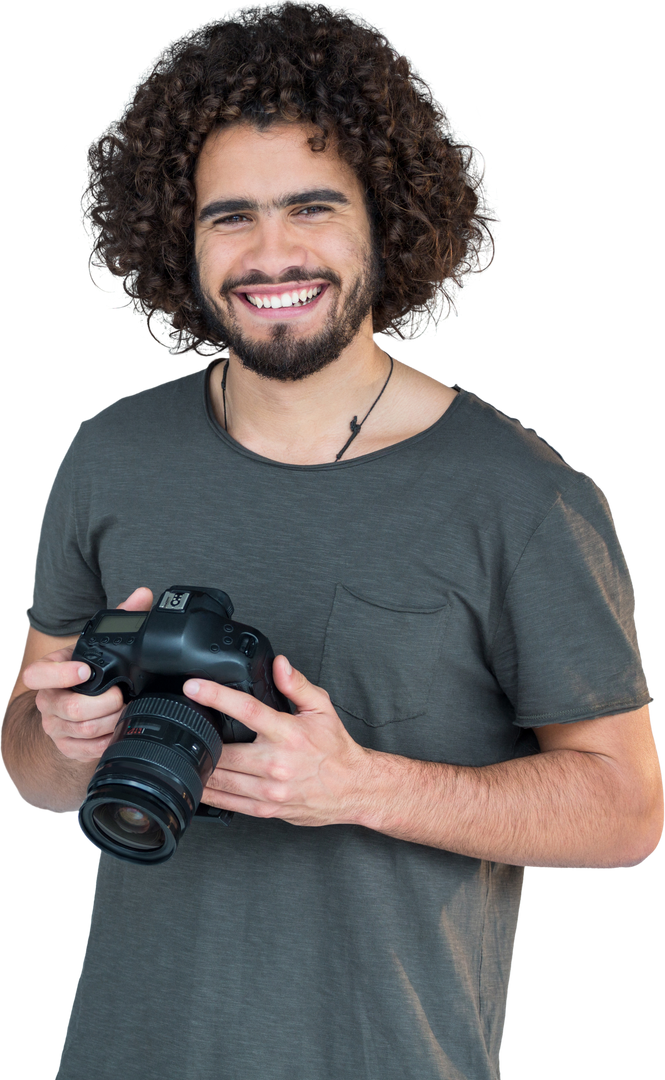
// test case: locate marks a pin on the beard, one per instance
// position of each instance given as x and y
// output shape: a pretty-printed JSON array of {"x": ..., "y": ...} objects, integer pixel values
[{"x": 285, "y": 355}]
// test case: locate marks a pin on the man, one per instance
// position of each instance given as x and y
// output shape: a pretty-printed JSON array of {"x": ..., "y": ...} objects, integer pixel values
[
  {"x": 297, "y": 373},
  {"x": 451, "y": 594}
]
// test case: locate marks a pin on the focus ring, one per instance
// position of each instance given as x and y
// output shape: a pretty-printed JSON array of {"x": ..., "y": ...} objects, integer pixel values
[
  {"x": 180, "y": 713},
  {"x": 144, "y": 750}
]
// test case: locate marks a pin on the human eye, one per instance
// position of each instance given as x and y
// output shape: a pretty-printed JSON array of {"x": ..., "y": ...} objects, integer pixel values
[
  {"x": 313, "y": 211},
  {"x": 230, "y": 219}
]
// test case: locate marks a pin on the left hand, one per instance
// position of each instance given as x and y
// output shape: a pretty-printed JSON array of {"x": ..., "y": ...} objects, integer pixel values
[{"x": 303, "y": 768}]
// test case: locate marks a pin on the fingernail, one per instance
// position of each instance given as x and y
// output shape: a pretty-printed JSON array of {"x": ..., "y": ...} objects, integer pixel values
[
  {"x": 288, "y": 667},
  {"x": 84, "y": 672},
  {"x": 191, "y": 686}
]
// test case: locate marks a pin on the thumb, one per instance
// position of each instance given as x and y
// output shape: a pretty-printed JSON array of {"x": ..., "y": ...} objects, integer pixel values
[
  {"x": 306, "y": 696},
  {"x": 140, "y": 600}
]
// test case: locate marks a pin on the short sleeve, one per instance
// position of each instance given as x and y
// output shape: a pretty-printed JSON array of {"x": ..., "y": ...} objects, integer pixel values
[
  {"x": 565, "y": 648},
  {"x": 68, "y": 589}
]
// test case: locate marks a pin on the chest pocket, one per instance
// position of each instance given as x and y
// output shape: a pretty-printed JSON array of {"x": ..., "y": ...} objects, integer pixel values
[{"x": 379, "y": 661}]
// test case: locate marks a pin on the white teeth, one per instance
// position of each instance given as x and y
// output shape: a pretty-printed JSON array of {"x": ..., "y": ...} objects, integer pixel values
[{"x": 298, "y": 296}]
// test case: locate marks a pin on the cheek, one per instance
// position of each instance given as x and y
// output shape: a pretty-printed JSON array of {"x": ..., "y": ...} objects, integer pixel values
[
  {"x": 211, "y": 256},
  {"x": 355, "y": 245},
  {"x": 347, "y": 252},
  {"x": 214, "y": 260}
]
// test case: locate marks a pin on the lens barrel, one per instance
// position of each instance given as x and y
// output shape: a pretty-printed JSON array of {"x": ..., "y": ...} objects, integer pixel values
[{"x": 149, "y": 781}]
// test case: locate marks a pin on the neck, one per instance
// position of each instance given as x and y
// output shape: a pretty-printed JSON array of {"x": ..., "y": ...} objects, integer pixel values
[{"x": 303, "y": 422}]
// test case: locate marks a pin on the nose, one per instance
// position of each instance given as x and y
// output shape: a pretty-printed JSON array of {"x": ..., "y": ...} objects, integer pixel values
[{"x": 273, "y": 248}]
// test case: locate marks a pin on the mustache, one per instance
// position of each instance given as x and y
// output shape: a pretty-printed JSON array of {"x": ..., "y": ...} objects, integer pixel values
[{"x": 292, "y": 273}]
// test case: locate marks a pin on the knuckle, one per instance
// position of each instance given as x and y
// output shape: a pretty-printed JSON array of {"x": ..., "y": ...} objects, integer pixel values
[
  {"x": 279, "y": 772},
  {"x": 72, "y": 705},
  {"x": 252, "y": 709},
  {"x": 89, "y": 729},
  {"x": 276, "y": 793}
]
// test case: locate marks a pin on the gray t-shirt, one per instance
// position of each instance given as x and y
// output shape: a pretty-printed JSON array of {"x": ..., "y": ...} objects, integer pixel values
[{"x": 451, "y": 592}]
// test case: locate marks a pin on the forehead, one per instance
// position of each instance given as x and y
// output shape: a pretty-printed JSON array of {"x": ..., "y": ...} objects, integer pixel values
[{"x": 240, "y": 159}]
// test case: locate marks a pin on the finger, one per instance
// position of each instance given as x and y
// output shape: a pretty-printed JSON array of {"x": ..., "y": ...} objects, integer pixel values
[
  {"x": 80, "y": 706},
  {"x": 51, "y": 675},
  {"x": 243, "y": 707},
  {"x": 305, "y": 695},
  {"x": 140, "y": 600}
]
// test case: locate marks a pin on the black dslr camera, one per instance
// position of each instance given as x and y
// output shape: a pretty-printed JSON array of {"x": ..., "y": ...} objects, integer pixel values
[{"x": 148, "y": 784}]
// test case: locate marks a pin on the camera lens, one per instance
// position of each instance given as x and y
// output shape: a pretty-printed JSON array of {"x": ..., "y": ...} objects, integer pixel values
[
  {"x": 129, "y": 825},
  {"x": 149, "y": 780}
]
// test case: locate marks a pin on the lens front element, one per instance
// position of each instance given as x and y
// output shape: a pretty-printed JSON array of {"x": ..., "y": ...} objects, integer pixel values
[{"x": 129, "y": 825}]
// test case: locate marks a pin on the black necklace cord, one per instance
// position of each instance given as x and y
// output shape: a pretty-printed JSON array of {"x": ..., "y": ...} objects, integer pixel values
[{"x": 226, "y": 371}]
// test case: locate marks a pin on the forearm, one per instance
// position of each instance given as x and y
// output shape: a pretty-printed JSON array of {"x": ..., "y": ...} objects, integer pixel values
[
  {"x": 559, "y": 808},
  {"x": 43, "y": 776}
]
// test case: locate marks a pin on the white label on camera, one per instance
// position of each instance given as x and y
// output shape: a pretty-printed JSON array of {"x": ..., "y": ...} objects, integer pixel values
[{"x": 174, "y": 601}]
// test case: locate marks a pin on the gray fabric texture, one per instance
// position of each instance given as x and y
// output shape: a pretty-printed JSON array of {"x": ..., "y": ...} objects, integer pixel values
[{"x": 451, "y": 592}]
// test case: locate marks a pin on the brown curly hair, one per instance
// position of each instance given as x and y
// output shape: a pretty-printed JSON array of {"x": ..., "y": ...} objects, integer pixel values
[{"x": 294, "y": 63}]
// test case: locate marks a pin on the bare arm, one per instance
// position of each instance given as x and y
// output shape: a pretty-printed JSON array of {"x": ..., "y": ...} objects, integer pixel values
[
  {"x": 42, "y": 778},
  {"x": 53, "y": 738},
  {"x": 593, "y": 797}
]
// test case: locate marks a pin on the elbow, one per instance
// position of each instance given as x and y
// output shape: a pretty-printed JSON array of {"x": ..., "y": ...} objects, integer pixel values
[
  {"x": 35, "y": 800},
  {"x": 646, "y": 837}
]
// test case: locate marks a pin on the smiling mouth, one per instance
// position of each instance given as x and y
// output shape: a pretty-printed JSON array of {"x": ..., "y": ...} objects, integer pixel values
[{"x": 299, "y": 300}]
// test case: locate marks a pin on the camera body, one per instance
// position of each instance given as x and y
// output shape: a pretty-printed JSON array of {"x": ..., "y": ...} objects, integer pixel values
[{"x": 149, "y": 781}]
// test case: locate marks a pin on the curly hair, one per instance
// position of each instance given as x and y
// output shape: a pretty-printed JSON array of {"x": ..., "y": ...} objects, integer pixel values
[{"x": 295, "y": 63}]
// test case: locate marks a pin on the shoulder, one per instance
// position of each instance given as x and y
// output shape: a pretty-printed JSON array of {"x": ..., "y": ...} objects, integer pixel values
[
  {"x": 506, "y": 474},
  {"x": 158, "y": 405},
  {"x": 504, "y": 450}
]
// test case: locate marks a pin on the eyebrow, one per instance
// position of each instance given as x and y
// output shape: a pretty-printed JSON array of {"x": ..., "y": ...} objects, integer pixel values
[{"x": 238, "y": 206}]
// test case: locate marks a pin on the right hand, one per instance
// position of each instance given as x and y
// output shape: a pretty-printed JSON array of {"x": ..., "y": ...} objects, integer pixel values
[{"x": 81, "y": 727}]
